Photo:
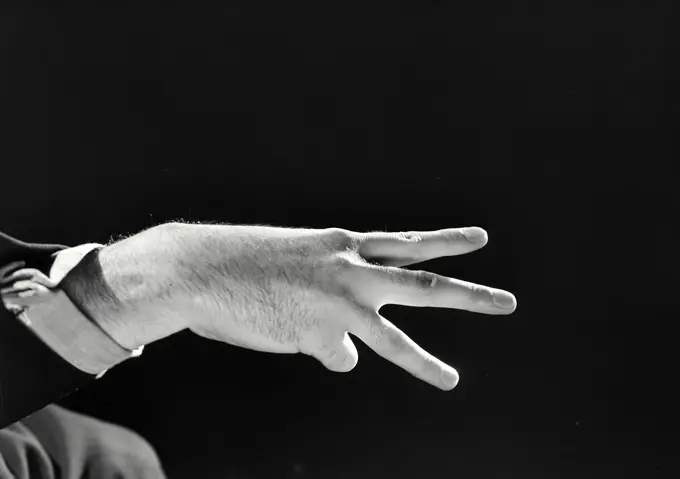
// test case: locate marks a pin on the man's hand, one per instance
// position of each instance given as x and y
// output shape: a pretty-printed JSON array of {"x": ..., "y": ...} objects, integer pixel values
[
  {"x": 300, "y": 290},
  {"x": 22, "y": 287},
  {"x": 280, "y": 290}
]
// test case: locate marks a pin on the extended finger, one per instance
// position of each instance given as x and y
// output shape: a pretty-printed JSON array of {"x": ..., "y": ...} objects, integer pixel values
[
  {"x": 25, "y": 285},
  {"x": 403, "y": 248},
  {"x": 390, "y": 285},
  {"x": 391, "y": 343},
  {"x": 31, "y": 274},
  {"x": 9, "y": 267}
]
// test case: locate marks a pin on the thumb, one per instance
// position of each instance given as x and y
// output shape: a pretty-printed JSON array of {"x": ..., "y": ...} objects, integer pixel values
[{"x": 341, "y": 356}]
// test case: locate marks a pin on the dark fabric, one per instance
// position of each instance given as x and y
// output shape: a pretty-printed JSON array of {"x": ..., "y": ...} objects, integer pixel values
[
  {"x": 39, "y": 440},
  {"x": 55, "y": 443},
  {"x": 31, "y": 374}
]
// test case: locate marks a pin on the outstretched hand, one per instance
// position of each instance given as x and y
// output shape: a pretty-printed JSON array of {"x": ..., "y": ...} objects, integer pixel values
[{"x": 302, "y": 290}]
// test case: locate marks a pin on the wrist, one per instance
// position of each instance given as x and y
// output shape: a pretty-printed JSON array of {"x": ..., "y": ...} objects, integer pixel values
[{"x": 106, "y": 285}]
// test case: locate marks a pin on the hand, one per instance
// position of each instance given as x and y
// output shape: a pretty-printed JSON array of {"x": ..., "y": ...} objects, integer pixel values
[
  {"x": 24, "y": 286},
  {"x": 290, "y": 290}
]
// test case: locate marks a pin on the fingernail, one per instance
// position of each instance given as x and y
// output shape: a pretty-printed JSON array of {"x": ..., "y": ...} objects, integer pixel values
[
  {"x": 504, "y": 300},
  {"x": 450, "y": 378},
  {"x": 475, "y": 235}
]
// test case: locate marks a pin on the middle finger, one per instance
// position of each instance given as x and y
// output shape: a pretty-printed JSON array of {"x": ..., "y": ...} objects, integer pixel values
[{"x": 391, "y": 285}]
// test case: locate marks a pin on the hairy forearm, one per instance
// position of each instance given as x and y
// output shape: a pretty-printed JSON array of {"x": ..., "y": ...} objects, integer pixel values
[{"x": 169, "y": 277}]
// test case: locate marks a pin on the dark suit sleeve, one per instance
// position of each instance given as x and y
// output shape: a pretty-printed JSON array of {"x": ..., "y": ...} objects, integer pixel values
[{"x": 31, "y": 374}]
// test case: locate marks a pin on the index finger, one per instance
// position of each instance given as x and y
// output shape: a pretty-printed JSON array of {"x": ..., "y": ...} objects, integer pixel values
[
  {"x": 402, "y": 248},
  {"x": 391, "y": 343}
]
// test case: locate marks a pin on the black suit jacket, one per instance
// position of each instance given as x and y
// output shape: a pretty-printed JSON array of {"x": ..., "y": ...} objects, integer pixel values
[{"x": 31, "y": 374}]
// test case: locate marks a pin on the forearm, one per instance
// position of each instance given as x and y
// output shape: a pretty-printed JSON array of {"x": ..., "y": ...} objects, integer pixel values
[{"x": 169, "y": 277}]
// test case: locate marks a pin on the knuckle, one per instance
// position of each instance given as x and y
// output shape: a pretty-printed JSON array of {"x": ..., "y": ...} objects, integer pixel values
[
  {"x": 409, "y": 237},
  {"x": 417, "y": 248},
  {"x": 31, "y": 273},
  {"x": 339, "y": 277},
  {"x": 343, "y": 263},
  {"x": 339, "y": 239},
  {"x": 425, "y": 281},
  {"x": 415, "y": 242}
]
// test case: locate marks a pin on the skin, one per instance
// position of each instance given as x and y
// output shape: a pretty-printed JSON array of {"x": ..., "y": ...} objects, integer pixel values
[
  {"x": 279, "y": 290},
  {"x": 22, "y": 287}
]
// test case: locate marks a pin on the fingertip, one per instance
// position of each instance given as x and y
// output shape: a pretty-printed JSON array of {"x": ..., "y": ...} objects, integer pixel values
[
  {"x": 505, "y": 300},
  {"x": 476, "y": 235},
  {"x": 449, "y": 379}
]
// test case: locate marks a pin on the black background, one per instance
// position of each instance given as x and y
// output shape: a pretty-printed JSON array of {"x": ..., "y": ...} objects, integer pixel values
[{"x": 549, "y": 124}]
